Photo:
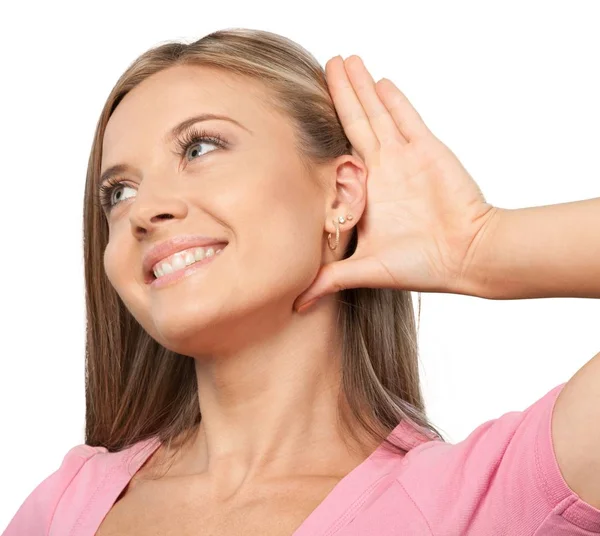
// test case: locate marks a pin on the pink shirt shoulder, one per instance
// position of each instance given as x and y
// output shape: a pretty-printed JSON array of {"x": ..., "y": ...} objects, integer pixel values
[
  {"x": 502, "y": 479},
  {"x": 74, "y": 499}
]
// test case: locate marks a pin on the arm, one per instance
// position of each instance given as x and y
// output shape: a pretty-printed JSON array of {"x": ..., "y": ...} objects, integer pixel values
[
  {"x": 551, "y": 251},
  {"x": 539, "y": 252}
]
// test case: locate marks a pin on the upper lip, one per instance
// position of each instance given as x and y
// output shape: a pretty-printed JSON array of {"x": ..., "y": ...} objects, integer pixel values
[{"x": 173, "y": 245}]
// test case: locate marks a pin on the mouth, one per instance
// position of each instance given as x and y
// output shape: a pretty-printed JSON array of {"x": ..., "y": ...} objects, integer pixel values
[{"x": 181, "y": 264}]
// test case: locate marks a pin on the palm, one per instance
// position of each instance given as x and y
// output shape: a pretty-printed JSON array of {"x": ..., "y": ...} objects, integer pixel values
[{"x": 424, "y": 211}]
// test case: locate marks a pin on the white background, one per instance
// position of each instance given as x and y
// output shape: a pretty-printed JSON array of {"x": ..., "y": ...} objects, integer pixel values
[{"x": 512, "y": 88}]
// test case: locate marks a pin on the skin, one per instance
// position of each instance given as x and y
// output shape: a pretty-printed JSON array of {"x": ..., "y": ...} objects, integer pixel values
[{"x": 268, "y": 377}]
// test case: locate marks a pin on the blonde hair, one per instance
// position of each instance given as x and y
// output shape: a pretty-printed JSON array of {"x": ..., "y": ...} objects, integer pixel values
[{"x": 136, "y": 388}]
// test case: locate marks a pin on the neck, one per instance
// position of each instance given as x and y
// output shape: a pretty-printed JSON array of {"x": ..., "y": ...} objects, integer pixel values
[{"x": 271, "y": 410}]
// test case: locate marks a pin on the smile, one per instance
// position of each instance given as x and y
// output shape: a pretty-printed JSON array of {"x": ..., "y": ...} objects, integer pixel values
[{"x": 177, "y": 265}]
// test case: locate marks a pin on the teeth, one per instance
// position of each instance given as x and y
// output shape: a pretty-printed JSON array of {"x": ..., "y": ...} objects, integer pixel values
[
  {"x": 184, "y": 258},
  {"x": 178, "y": 263},
  {"x": 189, "y": 258}
]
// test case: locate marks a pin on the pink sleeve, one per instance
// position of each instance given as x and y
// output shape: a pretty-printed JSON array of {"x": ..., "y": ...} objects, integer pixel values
[
  {"x": 34, "y": 516},
  {"x": 502, "y": 479}
]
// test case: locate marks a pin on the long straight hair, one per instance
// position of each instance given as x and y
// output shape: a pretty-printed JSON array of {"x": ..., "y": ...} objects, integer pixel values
[{"x": 135, "y": 388}]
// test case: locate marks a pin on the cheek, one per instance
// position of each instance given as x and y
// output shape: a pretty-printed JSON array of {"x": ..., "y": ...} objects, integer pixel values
[
  {"x": 110, "y": 264},
  {"x": 118, "y": 266},
  {"x": 283, "y": 251},
  {"x": 281, "y": 233}
]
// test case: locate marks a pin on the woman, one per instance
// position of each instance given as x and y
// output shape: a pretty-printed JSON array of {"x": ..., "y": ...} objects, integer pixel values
[{"x": 249, "y": 259}]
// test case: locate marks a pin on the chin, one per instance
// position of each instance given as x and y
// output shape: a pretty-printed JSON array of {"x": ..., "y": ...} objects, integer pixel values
[{"x": 175, "y": 327}]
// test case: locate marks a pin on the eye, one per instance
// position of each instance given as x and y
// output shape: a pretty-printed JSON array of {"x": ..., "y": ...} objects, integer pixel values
[
  {"x": 112, "y": 192},
  {"x": 194, "y": 146},
  {"x": 194, "y": 138}
]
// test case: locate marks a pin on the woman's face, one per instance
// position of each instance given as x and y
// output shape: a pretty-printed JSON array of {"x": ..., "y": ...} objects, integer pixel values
[{"x": 252, "y": 194}]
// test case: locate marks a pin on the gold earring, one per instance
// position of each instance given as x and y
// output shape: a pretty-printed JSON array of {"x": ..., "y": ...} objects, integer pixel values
[
  {"x": 341, "y": 219},
  {"x": 337, "y": 235}
]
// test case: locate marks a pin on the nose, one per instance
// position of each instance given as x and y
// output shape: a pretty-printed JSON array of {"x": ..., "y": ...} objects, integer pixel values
[{"x": 151, "y": 211}]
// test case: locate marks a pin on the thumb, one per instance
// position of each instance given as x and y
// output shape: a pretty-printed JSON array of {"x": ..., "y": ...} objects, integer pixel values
[{"x": 336, "y": 276}]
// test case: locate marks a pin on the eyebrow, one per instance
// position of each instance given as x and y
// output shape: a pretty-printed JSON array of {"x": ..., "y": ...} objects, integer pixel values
[
  {"x": 175, "y": 132},
  {"x": 187, "y": 123}
]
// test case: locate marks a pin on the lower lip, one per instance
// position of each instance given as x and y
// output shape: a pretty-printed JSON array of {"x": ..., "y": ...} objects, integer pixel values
[{"x": 173, "y": 277}]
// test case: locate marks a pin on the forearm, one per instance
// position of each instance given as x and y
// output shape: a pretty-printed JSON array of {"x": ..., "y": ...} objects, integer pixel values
[{"x": 538, "y": 252}]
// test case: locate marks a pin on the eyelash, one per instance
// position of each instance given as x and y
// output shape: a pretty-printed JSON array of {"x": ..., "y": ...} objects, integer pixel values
[{"x": 188, "y": 139}]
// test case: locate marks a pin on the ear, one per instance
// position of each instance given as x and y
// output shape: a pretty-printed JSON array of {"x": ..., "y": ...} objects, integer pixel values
[{"x": 346, "y": 179}]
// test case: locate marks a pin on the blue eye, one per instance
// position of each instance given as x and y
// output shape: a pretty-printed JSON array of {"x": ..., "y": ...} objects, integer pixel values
[
  {"x": 107, "y": 190},
  {"x": 194, "y": 137}
]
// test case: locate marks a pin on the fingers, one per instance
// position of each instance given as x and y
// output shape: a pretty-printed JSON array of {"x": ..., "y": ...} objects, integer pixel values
[
  {"x": 407, "y": 119},
  {"x": 339, "y": 275},
  {"x": 382, "y": 122},
  {"x": 328, "y": 281},
  {"x": 366, "y": 120},
  {"x": 349, "y": 109},
  {"x": 371, "y": 113}
]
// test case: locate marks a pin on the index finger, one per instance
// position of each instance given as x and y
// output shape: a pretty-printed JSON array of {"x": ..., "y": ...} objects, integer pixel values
[
  {"x": 349, "y": 109},
  {"x": 383, "y": 124}
]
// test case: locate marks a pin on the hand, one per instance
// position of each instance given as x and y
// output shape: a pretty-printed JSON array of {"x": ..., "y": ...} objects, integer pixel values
[{"x": 425, "y": 215}]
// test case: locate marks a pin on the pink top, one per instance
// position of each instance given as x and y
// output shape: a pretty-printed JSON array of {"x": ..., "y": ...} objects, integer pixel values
[{"x": 503, "y": 479}]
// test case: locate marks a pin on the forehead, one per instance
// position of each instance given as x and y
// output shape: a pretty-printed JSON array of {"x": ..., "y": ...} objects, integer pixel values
[{"x": 165, "y": 98}]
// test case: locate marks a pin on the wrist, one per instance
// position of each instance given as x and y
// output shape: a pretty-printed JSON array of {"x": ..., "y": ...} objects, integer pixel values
[
  {"x": 535, "y": 252},
  {"x": 476, "y": 277}
]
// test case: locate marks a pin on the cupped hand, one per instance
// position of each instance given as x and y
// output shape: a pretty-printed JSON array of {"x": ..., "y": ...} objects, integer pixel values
[{"x": 425, "y": 215}]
